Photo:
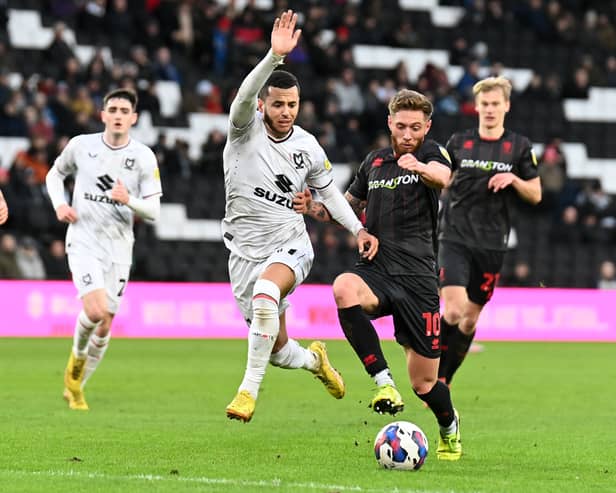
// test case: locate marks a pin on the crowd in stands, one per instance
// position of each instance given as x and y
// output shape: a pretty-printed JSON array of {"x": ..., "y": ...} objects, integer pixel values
[{"x": 207, "y": 47}]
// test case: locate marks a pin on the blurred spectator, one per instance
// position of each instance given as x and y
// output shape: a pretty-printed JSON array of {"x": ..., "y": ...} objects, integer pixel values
[
  {"x": 607, "y": 275},
  {"x": 54, "y": 259},
  {"x": 351, "y": 140},
  {"x": 568, "y": 229},
  {"x": 308, "y": 118},
  {"x": 4, "y": 16},
  {"x": 121, "y": 27},
  {"x": 553, "y": 86},
  {"x": 211, "y": 153},
  {"x": 59, "y": 106},
  {"x": 148, "y": 98},
  {"x": 38, "y": 126},
  {"x": 58, "y": 51},
  {"x": 459, "y": 52},
  {"x": 64, "y": 9},
  {"x": 610, "y": 69},
  {"x": 91, "y": 21},
  {"x": 211, "y": 97},
  {"x": 405, "y": 35},
  {"x": 178, "y": 162},
  {"x": 520, "y": 277},
  {"x": 327, "y": 139},
  {"x": 535, "y": 91},
  {"x": 578, "y": 85},
  {"x": 435, "y": 78},
  {"x": 480, "y": 53},
  {"x": 8, "y": 62},
  {"x": 348, "y": 93},
  {"x": 469, "y": 78},
  {"x": 533, "y": 15},
  {"x": 139, "y": 56},
  {"x": 82, "y": 103},
  {"x": 596, "y": 75},
  {"x": 553, "y": 173},
  {"x": 606, "y": 33},
  {"x": 595, "y": 205},
  {"x": 8, "y": 257},
  {"x": 35, "y": 158},
  {"x": 164, "y": 68},
  {"x": 151, "y": 39},
  {"x": 28, "y": 259},
  {"x": 12, "y": 119}
]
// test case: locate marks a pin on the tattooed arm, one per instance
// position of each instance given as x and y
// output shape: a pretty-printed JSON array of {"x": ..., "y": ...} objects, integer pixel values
[{"x": 303, "y": 204}]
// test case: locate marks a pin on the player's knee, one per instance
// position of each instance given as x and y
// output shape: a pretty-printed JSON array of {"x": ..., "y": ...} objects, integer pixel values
[
  {"x": 468, "y": 325},
  {"x": 453, "y": 313},
  {"x": 265, "y": 299},
  {"x": 422, "y": 384},
  {"x": 95, "y": 312},
  {"x": 345, "y": 290}
]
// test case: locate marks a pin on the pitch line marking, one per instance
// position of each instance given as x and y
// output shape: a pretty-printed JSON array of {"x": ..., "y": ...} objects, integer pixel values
[{"x": 273, "y": 483}]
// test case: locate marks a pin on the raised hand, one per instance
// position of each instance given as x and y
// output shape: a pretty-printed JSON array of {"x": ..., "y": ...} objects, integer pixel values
[{"x": 284, "y": 35}]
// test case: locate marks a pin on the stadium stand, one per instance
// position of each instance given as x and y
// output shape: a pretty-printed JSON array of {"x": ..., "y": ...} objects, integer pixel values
[{"x": 186, "y": 59}]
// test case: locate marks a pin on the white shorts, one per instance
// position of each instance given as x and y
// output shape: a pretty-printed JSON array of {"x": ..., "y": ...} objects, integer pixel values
[
  {"x": 89, "y": 274},
  {"x": 243, "y": 274}
]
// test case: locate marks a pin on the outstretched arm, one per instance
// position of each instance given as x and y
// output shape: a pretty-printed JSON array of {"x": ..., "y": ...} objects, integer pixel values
[
  {"x": 528, "y": 190},
  {"x": 284, "y": 39},
  {"x": 367, "y": 244},
  {"x": 432, "y": 173},
  {"x": 303, "y": 204}
]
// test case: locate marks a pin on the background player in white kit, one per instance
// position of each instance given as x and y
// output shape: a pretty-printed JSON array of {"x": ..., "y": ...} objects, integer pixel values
[
  {"x": 267, "y": 162},
  {"x": 116, "y": 177}
]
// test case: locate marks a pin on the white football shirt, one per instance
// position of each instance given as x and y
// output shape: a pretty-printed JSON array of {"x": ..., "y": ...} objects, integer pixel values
[
  {"x": 262, "y": 176},
  {"x": 104, "y": 227}
]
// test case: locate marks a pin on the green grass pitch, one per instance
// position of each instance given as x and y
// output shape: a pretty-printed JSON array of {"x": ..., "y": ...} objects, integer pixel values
[{"x": 536, "y": 417}]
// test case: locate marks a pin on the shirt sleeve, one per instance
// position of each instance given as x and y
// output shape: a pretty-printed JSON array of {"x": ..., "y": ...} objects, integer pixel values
[
  {"x": 243, "y": 107},
  {"x": 150, "y": 175},
  {"x": 65, "y": 163},
  {"x": 527, "y": 164},
  {"x": 320, "y": 172},
  {"x": 432, "y": 151},
  {"x": 359, "y": 186},
  {"x": 451, "y": 150}
]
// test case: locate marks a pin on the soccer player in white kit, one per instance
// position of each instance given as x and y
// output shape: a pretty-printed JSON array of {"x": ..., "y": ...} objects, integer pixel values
[
  {"x": 267, "y": 163},
  {"x": 116, "y": 177}
]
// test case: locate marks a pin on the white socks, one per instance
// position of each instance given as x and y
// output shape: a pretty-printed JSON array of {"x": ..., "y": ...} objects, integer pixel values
[
  {"x": 96, "y": 350},
  {"x": 293, "y": 356},
  {"x": 83, "y": 329},
  {"x": 262, "y": 334},
  {"x": 384, "y": 378}
]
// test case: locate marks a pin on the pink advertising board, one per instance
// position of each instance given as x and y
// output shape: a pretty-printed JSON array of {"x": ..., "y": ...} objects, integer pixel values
[{"x": 48, "y": 309}]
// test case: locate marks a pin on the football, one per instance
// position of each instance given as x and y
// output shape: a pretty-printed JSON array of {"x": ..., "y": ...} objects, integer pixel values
[{"x": 401, "y": 445}]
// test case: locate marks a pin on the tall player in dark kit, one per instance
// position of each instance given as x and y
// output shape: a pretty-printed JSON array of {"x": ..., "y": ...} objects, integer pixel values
[
  {"x": 492, "y": 167},
  {"x": 398, "y": 188}
]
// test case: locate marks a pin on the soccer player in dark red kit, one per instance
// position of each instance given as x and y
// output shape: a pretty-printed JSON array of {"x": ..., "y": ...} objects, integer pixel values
[
  {"x": 493, "y": 167},
  {"x": 398, "y": 188}
]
